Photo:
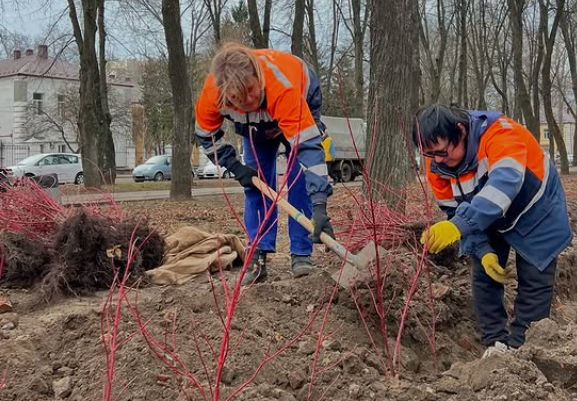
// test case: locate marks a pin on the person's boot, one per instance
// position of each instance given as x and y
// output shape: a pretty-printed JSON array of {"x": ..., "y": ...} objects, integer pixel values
[
  {"x": 301, "y": 265},
  {"x": 256, "y": 270}
]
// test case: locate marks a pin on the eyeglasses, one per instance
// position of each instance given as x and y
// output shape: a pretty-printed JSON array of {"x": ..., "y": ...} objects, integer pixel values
[{"x": 437, "y": 153}]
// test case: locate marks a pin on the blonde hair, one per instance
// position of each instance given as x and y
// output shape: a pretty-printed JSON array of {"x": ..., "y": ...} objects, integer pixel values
[{"x": 235, "y": 68}]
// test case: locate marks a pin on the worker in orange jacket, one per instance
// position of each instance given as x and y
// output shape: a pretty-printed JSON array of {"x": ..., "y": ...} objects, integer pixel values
[
  {"x": 500, "y": 191},
  {"x": 271, "y": 97}
]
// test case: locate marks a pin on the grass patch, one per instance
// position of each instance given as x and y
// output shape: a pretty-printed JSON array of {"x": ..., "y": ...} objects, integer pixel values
[
  {"x": 146, "y": 186},
  {"x": 120, "y": 187}
]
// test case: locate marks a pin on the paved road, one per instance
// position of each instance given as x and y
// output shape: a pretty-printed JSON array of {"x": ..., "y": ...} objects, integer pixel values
[{"x": 155, "y": 195}]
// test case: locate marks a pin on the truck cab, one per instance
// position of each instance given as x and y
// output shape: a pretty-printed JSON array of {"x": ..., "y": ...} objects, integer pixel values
[{"x": 349, "y": 137}]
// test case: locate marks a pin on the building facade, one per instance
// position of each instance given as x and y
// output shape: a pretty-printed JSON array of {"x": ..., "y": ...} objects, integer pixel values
[{"x": 38, "y": 108}]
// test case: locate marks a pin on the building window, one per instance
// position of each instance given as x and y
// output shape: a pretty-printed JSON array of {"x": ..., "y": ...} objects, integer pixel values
[
  {"x": 41, "y": 148},
  {"x": 37, "y": 102},
  {"x": 546, "y": 133},
  {"x": 62, "y": 148},
  {"x": 61, "y": 106}
]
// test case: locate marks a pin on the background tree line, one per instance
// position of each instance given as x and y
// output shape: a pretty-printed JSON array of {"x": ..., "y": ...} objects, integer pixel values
[{"x": 377, "y": 59}]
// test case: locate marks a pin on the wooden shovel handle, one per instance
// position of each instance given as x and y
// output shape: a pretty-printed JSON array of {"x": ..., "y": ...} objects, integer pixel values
[{"x": 304, "y": 221}]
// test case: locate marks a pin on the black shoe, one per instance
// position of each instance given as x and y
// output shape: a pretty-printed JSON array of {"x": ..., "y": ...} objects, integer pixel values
[
  {"x": 301, "y": 265},
  {"x": 256, "y": 270}
]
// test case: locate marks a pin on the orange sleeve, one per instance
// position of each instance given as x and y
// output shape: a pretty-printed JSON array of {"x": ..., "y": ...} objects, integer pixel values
[{"x": 208, "y": 117}]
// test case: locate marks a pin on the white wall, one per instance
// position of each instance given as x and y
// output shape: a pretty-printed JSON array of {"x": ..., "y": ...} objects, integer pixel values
[{"x": 6, "y": 109}]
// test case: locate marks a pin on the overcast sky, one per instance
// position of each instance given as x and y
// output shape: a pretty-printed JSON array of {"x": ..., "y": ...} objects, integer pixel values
[
  {"x": 134, "y": 37},
  {"x": 28, "y": 17}
]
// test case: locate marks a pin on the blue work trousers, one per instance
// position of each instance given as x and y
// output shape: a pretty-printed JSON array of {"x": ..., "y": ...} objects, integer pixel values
[
  {"x": 533, "y": 302},
  {"x": 257, "y": 204}
]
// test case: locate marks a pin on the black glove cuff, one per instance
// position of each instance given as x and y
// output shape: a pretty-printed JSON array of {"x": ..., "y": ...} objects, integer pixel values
[
  {"x": 232, "y": 165},
  {"x": 320, "y": 207}
]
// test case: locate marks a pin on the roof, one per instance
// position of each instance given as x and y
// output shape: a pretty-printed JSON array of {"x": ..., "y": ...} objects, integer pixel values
[
  {"x": 36, "y": 65},
  {"x": 45, "y": 66}
]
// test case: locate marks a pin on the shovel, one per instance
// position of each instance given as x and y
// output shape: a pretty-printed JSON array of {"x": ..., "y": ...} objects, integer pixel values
[{"x": 356, "y": 266}]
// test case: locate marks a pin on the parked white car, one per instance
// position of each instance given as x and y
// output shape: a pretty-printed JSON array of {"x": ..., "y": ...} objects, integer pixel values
[
  {"x": 67, "y": 166},
  {"x": 212, "y": 171}
]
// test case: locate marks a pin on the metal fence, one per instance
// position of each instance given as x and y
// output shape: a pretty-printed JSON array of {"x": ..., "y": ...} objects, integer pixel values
[{"x": 11, "y": 154}]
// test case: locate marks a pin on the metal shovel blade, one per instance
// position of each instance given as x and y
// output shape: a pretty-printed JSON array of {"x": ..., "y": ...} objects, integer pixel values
[{"x": 359, "y": 268}]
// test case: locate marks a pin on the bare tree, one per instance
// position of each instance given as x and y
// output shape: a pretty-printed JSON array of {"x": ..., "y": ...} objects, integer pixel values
[
  {"x": 434, "y": 56},
  {"x": 516, "y": 8},
  {"x": 297, "y": 41},
  {"x": 312, "y": 36},
  {"x": 463, "y": 30},
  {"x": 549, "y": 35},
  {"x": 568, "y": 26},
  {"x": 106, "y": 142},
  {"x": 356, "y": 23},
  {"x": 94, "y": 116},
  {"x": 259, "y": 39},
  {"x": 215, "y": 10},
  {"x": 182, "y": 101},
  {"x": 266, "y": 21},
  {"x": 394, "y": 85},
  {"x": 496, "y": 49},
  {"x": 334, "y": 41}
]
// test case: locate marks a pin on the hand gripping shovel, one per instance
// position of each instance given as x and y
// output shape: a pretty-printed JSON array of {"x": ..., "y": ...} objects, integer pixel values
[{"x": 356, "y": 266}]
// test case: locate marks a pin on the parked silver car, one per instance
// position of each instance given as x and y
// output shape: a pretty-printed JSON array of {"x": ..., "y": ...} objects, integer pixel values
[
  {"x": 67, "y": 166},
  {"x": 157, "y": 168}
]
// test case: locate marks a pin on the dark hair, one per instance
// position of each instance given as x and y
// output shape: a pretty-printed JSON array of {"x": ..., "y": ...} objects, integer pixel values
[{"x": 438, "y": 121}]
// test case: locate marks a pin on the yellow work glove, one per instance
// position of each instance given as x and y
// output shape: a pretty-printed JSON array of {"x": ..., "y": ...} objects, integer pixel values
[
  {"x": 493, "y": 269},
  {"x": 440, "y": 236}
]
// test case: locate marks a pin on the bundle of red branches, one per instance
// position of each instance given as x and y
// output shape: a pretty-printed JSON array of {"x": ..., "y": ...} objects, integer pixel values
[
  {"x": 66, "y": 249},
  {"x": 27, "y": 208},
  {"x": 361, "y": 219}
]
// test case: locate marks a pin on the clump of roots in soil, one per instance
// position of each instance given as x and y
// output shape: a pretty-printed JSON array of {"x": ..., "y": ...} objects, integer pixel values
[
  {"x": 87, "y": 253},
  {"x": 25, "y": 260}
]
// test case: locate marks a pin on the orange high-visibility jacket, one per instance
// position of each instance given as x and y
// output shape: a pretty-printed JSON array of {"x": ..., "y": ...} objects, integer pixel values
[
  {"x": 506, "y": 185},
  {"x": 291, "y": 107}
]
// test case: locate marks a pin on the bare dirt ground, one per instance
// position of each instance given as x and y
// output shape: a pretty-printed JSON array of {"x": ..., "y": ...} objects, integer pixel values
[{"x": 54, "y": 351}]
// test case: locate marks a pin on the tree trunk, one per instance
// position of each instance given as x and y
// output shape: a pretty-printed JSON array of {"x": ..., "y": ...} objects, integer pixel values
[
  {"x": 106, "y": 143},
  {"x": 546, "y": 82},
  {"x": 568, "y": 30},
  {"x": 313, "y": 36},
  {"x": 523, "y": 96},
  {"x": 297, "y": 45},
  {"x": 180, "y": 187},
  {"x": 334, "y": 42},
  {"x": 358, "y": 41},
  {"x": 254, "y": 22},
  {"x": 266, "y": 21},
  {"x": 394, "y": 91},
  {"x": 93, "y": 127},
  {"x": 215, "y": 8},
  {"x": 462, "y": 95}
]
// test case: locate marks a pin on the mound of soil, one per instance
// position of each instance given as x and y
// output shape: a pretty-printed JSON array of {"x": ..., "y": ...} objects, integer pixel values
[{"x": 57, "y": 352}]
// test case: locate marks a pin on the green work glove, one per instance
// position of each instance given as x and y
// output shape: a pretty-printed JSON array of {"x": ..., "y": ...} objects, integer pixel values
[
  {"x": 440, "y": 236},
  {"x": 493, "y": 269}
]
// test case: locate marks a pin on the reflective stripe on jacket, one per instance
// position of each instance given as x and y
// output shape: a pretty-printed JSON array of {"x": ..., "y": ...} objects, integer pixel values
[
  {"x": 505, "y": 183},
  {"x": 291, "y": 107}
]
